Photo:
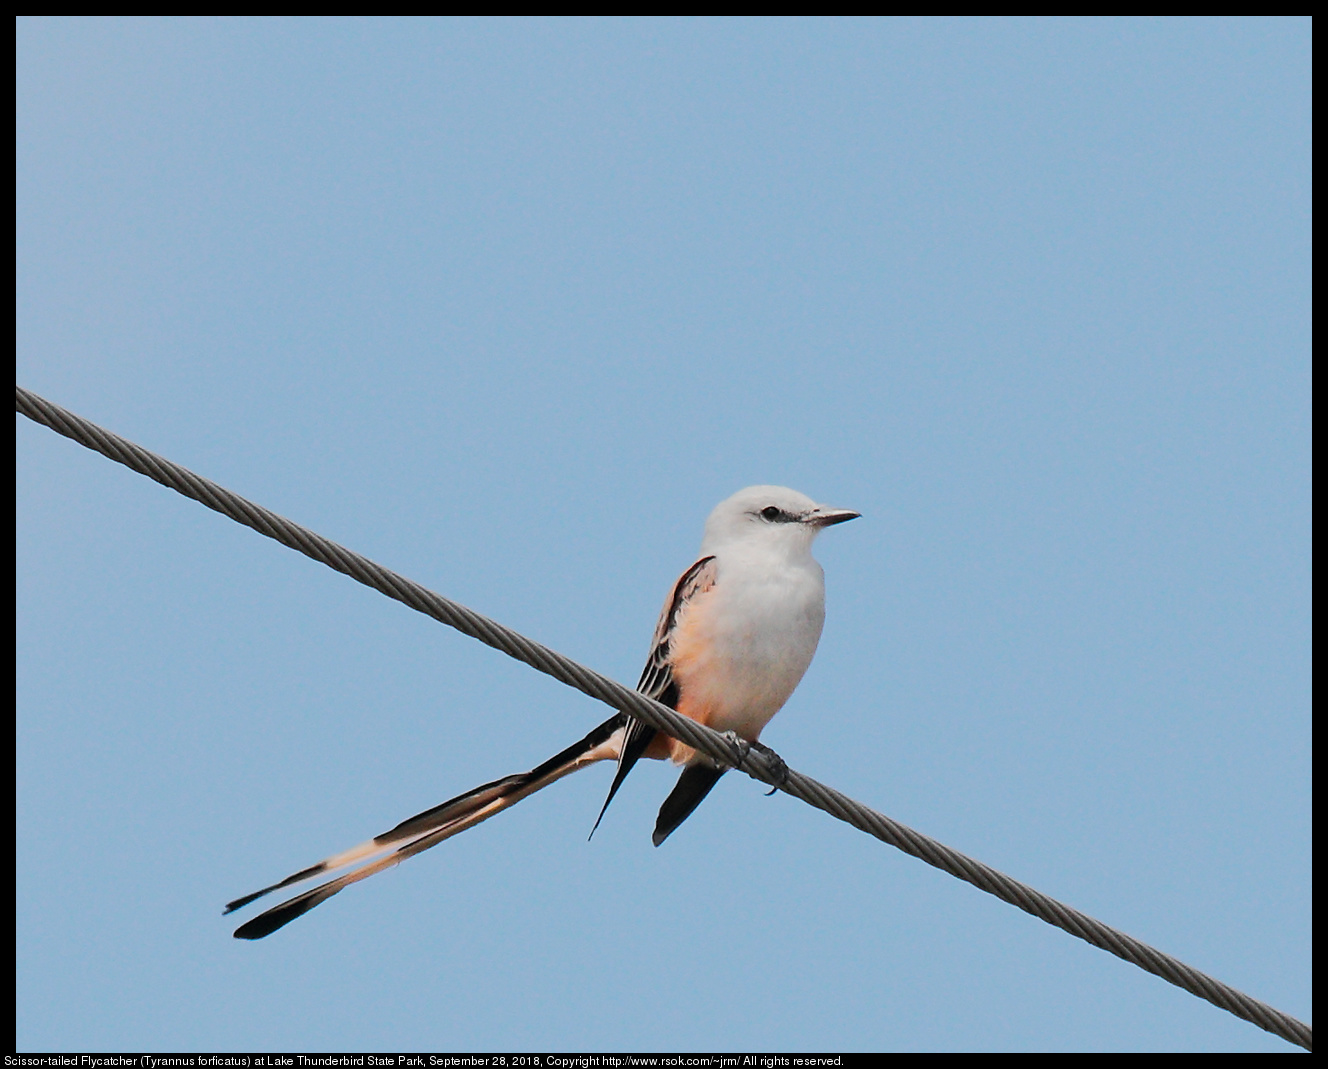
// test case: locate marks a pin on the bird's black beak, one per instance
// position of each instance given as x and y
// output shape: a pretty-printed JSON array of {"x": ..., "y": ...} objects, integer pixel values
[{"x": 828, "y": 517}]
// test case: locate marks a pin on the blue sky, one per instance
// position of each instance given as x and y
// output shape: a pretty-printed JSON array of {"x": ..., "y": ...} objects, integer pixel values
[{"x": 508, "y": 306}]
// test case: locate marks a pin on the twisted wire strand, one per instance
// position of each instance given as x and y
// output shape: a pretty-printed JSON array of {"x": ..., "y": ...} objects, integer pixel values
[{"x": 765, "y": 766}]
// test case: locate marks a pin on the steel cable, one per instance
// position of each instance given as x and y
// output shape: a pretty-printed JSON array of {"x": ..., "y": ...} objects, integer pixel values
[{"x": 764, "y": 766}]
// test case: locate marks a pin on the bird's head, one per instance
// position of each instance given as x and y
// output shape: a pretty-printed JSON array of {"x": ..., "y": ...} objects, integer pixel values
[{"x": 773, "y": 516}]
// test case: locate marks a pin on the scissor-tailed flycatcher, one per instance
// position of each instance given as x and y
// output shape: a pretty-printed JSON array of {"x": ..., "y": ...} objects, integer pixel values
[{"x": 737, "y": 632}]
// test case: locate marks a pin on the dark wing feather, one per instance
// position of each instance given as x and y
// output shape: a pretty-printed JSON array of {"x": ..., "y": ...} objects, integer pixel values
[
  {"x": 657, "y": 677},
  {"x": 692, "y": 787}
]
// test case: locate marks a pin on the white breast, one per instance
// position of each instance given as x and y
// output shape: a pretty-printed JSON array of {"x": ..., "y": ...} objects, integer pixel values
[{"x": 742, "y": 648}]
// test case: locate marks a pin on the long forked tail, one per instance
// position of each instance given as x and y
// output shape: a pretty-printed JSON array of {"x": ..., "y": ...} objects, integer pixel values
[{"x": 426, "y": 829}]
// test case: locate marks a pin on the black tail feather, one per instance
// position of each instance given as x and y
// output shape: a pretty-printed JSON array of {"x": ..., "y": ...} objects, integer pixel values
[
  {"x": 422, "y": 831},
  {"x": 282, "y": 915}
]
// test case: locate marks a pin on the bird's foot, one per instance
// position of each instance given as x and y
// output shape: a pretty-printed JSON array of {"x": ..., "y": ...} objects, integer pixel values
[
  {"x": 742, "y": 747},
  {"x": 777, "y": 766}
]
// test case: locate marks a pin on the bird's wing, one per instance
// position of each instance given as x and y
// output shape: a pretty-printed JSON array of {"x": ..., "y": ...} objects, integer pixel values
[
  {"x": 690, "y": 790},
  {"x": 427, "y": 829},
  {"x": 657, "y": 677}
]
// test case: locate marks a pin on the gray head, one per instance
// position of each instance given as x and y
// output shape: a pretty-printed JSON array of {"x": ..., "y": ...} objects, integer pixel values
[{"x": 769, "y": 516}]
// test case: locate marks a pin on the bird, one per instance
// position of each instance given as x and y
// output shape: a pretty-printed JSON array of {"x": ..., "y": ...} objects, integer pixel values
[{"x": 736, "y": 634}]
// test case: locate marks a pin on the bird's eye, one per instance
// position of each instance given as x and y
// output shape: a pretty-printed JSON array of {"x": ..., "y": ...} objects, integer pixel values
[{"x": 770, "y": 513}]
